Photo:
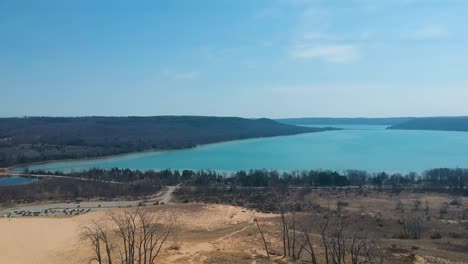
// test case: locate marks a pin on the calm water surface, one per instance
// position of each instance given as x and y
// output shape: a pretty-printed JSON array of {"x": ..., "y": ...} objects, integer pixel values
[
  {"x": 15, "y": 180},
  {"x": 369, "y": 148},
  {"x": 352, "y": 127}
]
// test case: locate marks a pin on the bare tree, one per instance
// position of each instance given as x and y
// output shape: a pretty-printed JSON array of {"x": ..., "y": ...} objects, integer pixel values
[
  {"x": 338, "y": 244},
  {"x": 412, "y": 226},
  {"x": 363, "y": 249},
  {"x": 374, "y": 254},
  {"x": 255, "y": 219},
  {"x": 97, "y": 235},
  {"x": 295, "y": 243},
  {"x": 293, "y": 236},
  {"x": 356, "y": 247},
  {"x": 284, "y": 230},
  {"x": 324, "y": 236},
  {"x": 137, "y": 234},
  {"x": 142, "y": 235},
  {"x": 307, "y": 232}
]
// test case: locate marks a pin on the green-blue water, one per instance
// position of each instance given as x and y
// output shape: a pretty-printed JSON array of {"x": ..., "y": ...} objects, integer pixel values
[
  {"x": 367, "y": 148},
  {"x": 352, "y": 127}
]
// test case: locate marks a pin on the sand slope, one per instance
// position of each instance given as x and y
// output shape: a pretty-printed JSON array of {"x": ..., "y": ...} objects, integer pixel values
[
  {"x": 34, "y": 240},
  {"x": 56, "y": 240}
]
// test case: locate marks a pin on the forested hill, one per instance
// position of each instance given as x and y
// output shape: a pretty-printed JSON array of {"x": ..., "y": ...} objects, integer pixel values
[
  {"x": 435, "y": 123},
  {"x": 46, "y": 138},
  {"x": 344, "y": 121}
]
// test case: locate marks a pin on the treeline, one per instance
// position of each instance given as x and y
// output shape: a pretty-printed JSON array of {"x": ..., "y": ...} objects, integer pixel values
[
  {"x": 32, "y": 139},
  {"x": 434, "y": 123},
  {"x": 345, "y": 121},
  {"x": 444, "y": 179},
  {"x": 69, "y": 189},
  {"x": 162, "y": 177},
  {"x": 135, "y": 183}
]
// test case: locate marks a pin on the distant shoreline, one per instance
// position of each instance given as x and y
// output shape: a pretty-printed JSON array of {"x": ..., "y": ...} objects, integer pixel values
[
  {"x": 81, "y": 138},
  {"x": 9, "y": 169}
]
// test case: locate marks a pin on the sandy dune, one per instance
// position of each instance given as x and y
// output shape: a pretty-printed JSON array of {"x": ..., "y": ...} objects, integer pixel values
[
  {"x": 36, "y": 240},
  {"x": 55, "y": 240},
  {"x": 206, "y": 233}
]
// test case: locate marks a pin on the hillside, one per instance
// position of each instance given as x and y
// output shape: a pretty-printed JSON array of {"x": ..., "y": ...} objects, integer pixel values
[
  {"x": 435, "y": 123},
  {"x": 344, "y": 121},
  {"x": 46, "y": 138}
]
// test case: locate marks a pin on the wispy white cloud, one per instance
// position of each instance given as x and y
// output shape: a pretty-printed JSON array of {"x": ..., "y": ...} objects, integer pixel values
[
  {"x": 335, "y": 53},
  {"x": 431, "y": 32},
  {"x": 314, "y": 38}
]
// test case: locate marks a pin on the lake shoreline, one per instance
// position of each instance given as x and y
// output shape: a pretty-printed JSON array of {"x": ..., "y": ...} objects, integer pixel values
[
  {"x": 145, "y": 152},
  {"x": 371, "y": 150}
]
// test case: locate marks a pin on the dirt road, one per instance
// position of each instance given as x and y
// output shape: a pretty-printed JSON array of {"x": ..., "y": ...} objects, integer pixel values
[{"x": 167, "y": 196}]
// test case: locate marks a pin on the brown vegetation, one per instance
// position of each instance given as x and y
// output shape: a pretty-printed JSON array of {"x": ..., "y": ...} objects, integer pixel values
[{"x": 343, "y": 225}]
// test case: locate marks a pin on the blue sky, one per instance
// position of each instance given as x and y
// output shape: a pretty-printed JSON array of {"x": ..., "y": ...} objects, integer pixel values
[{"x": 252, "y": 58}]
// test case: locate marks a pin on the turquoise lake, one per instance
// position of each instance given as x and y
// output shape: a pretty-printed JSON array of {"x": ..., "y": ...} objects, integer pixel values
[{"x": 371, "y": 148}]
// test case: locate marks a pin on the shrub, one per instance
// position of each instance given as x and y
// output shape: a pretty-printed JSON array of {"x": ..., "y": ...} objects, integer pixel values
[
  {"x": 455, "y": 235},
  {"x": 342, "y": 204},
  {"x": 298, "y": 207},
  {"x": 399, "y": 236},
  {"x": 435, "y": 235},
  {"x": 426, "y": 208},
  {"x": 443, "y": 209},
  {"x": 417, "y": 205},
  {"x": 315, "y": 206},
  {"x": 456, "y": 202},
  {"x": 174, "y": 246},
  {"x": 400, "y": 206}
]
